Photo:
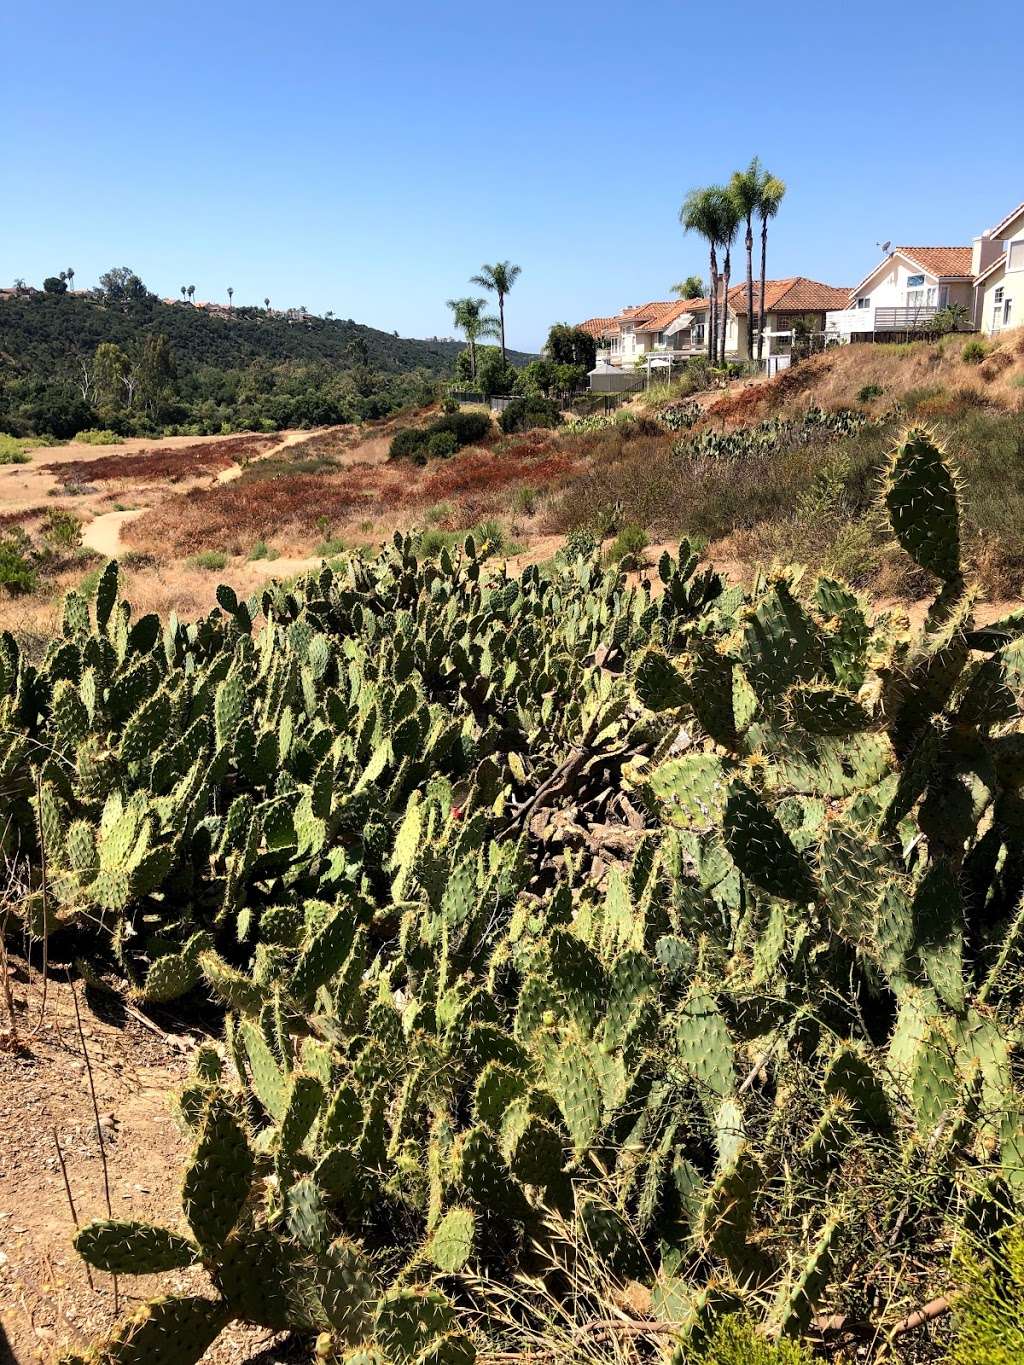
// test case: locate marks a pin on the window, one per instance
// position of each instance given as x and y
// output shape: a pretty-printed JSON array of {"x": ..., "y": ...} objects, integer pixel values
[
  {"x": 999, "y": 295},
  {"x": 1007, "y": 312},
  {"x": 863, "y": 302},
  {"x": 1015, "y": 256},
  {"x": 914, "y": 280},
  {"x": 915, "y": 297},
  {"x": 930, "y": 299}
]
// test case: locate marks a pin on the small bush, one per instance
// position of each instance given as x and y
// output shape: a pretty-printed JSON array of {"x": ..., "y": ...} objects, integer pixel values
[
  {"x": 209, "y": 559},
  {"x": 627, "y": 549},
  {"x": 442, "y": 445},
  {"x": 17, "y": 572},
  {"x": 62, "y": 528},
  {"x": 869, "y": 392},
  {"x": 974, "y": 352},
  {"x": 449, "y": 404},
  {"x": 99, "y": 437},
  {"x": 466, "y": 427},
  {"x": 335, "y": 545},
  {"x": 736, "y": 1341},
  {"x": 524, "y": 500},
  {"x": 523, "y": 414},
  {"x": 261, "y": 550},
  {"x": 989, "y": 1313},
  {"x": 441, "y": 511},
  {"x": 407, "y": 443},
  {"x": 12, "y": 450}
]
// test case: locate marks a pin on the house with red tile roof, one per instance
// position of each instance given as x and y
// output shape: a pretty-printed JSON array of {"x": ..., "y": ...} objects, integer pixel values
[
  {"x": 903, "y": 293},
  {"x": 659, "y": 332}
]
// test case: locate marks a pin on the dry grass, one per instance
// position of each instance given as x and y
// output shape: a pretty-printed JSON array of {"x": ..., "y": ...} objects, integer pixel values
[
  {"x": 835, "y": 378},
  {"x": 164, "y": 465}
]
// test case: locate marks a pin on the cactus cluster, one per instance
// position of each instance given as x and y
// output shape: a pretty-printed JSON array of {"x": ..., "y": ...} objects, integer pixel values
[{"x": 686, "y": 920}]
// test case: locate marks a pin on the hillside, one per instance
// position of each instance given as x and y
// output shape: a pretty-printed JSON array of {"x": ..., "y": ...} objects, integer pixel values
[{"x": 40, "y": 332}]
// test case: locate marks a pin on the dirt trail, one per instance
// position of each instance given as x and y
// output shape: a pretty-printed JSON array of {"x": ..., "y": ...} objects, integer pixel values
[
  {"x": 235, "y": 471},
  {"x": 103, "y": 534}
]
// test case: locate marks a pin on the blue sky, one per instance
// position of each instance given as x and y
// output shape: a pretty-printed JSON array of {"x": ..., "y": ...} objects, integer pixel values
[{"x": 368, "y": 158}]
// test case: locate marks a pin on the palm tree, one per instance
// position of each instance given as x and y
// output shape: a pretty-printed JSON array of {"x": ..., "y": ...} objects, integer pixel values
[
  {"x": 70, "y": 273},
  {"x": 746, "y": 188},
  {"x": 469, "y": 315},
  {"x": 772, "y": 192},
  {"x": 184, "y": 291},
  {"x": 690, "y": 288},
  {"x": 703, "y": 212},
  {"x": 499, "y": 279},
  {"x": 191, "y": 293},
  {"x": 231, "y": 295},
  {"x": 728, "y": 223},
  {"x": 266, "y": 304}
]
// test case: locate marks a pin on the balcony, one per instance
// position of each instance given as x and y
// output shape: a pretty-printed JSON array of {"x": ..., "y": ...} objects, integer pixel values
[{"x": 865, "y": 321}]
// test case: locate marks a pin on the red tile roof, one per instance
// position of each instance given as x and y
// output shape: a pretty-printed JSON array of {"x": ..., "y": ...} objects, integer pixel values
[
  {"x": 946, "y": 262},
  {"x": 795, "y": 295},
  {"x": 597, "y": 326}
]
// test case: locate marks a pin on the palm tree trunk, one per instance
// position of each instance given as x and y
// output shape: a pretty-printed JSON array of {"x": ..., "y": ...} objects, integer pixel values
[
  {"x": 749, "y": 243},
  {"x": 725, "y": 301},
  {"x": 760, "y": 308},
  {"x": 501, "y": 310},
  {"x": 472, "y": 356},
  {"x": 712, "y": 337}
]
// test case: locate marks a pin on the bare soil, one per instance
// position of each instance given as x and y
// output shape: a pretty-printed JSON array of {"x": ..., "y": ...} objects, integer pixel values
[{"x": 46, "y": 1300}]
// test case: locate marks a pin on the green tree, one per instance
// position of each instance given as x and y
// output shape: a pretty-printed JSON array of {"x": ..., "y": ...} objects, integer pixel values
[
  {"x": 494, "y": 374},
  {"x": 729, "y": 221},
  {"x": 120, "y": 284},
  {"x": 704, "y": 212},
  {"x": 110, "y": 366},
  {"x": 191, "y": 293},
  {"x": 54, "y": 284},
  {"x": 70, "y": 276},
  {"x": 231, "y": 295},
  {"x": 156, "y": 373},
  {"x": 498, "y": 279},
  {"x": 746, "y": 188},
  {"x": 571, "y": 346},
  {"x": 690, "y": 288},
  {"x": 470, "y": 318},
  {"x": 772, "y": 193}
]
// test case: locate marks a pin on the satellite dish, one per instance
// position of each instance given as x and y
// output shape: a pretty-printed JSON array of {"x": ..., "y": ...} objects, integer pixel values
[{"x": 884, "y": 247}]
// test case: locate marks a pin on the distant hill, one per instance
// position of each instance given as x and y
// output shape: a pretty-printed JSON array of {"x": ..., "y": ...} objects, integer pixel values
[{"x": 39, "y": 332}]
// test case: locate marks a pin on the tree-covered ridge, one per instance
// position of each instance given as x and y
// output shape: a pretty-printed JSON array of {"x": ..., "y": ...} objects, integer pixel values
[{"x": 39, "y": 332}]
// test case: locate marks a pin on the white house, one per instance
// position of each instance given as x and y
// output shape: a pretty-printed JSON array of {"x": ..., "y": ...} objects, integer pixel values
[
  {"x": 998, "y": 261},
  {"x": 904, "y": 292}
]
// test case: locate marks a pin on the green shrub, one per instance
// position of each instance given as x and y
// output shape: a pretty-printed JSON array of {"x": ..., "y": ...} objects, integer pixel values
[
  {"x": 17, "y": 572},
  {"x": 442, "y": 444},
  {"x": 261, "y": 550},
  {"x": 627, "y": 549},
  {"x": 209, "y": 559},
  {"x": 974, "y": 352},
  {"x": 449, "y": 404},
  {"x": 441, "y": 511},
  {"x": 62, "y": 528},
  {"x": 736, "y": 1341},
  {"x": 334, "y": 545},
  {"x": 524, "y": 414},
  {"x": 524, "y": 500},
  {"x": 868, "y": 392},
  {"x": 466, "y": 427},
  {"x": 12, "y": 450},
  {"x": 407, "y": 443},
  {"x": 989, "y": 1313},
  {"x": 99, "y": 437}
]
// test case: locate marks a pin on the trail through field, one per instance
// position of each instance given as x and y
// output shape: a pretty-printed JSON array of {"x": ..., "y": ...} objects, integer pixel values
[
  {"x": 103, "y": 534},
  {"x": 234, "y": 471}
]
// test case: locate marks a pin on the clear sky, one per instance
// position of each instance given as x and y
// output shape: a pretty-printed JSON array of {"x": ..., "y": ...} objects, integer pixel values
[{"x": 367, "y": 158}]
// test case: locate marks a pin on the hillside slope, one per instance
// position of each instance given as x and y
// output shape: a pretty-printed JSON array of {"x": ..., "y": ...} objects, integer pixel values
[{"x": 39, "y": 333}]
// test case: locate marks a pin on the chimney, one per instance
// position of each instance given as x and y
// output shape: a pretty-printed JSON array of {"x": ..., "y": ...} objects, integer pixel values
[{"x": 984, "y": 250}]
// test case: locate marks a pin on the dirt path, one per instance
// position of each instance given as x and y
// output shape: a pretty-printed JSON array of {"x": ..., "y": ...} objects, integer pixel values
[
  {"x": 103, "y": 533},
  {"x": 292, "y": 438}
]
